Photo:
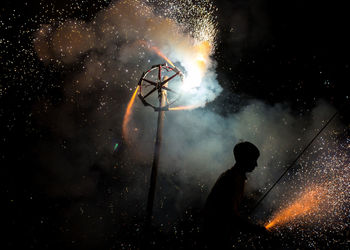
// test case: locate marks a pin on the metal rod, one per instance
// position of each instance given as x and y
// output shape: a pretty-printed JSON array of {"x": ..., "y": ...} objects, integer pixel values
[
  {"x": 296, "y": 159},
  {"x": 152, "y": 189}
]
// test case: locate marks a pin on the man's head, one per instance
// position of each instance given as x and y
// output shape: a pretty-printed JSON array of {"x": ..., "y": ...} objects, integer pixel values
[{"x": 246, "y": 155}]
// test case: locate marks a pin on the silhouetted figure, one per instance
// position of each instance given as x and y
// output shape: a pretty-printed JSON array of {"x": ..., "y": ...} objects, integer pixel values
[{"x": 222, "y": 221}]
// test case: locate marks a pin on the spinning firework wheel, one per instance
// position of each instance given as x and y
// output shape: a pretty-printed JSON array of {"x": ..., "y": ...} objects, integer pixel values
[{"x": 157, "y": 80}]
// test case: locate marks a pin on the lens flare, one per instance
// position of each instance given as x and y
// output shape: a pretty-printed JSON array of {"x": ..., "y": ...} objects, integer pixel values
[{"x": 127, "y": 115}]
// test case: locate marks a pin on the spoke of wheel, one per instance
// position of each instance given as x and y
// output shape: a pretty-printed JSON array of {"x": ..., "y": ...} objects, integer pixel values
[
  {"x": 167, "y": 80},
  {"x": 166, "y": 88},
  {"x": 154, "y": 89},
  {"x": 150, "y": 82},
  {"x": 160, "y": 73}
]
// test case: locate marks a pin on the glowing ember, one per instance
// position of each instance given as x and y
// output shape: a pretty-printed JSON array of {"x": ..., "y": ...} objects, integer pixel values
[
  {"x": 308, "y": 202},
  {"x": 127, "y": 115}
]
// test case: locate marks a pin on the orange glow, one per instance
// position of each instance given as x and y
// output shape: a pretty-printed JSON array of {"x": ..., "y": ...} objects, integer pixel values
[
  {"x": 127, "y": 115},
  {"x": 307, "y": 203},
  {"x": 184, "y": 107},
  {"x": 203, "y": 51}
]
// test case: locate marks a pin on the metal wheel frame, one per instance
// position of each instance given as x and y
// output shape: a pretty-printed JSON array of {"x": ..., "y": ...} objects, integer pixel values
[{"x": 159, "y": 85}]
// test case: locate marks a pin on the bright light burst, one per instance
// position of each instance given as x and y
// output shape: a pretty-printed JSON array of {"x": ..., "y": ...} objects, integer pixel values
[
  {"x": 198, "y": 20},
  {"x": 197, "y": 66}
]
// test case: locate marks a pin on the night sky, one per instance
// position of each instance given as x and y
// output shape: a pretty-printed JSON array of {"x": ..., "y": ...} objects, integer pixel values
[{"x": 65, "y": 183}]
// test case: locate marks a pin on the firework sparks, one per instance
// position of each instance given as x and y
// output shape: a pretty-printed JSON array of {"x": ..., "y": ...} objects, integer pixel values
[
  {"x": 323, "y": 205},
  {"x": 196, "y": 64},
  {"x": 306, "y": 204},
  {"x": 192, "y": 46}
]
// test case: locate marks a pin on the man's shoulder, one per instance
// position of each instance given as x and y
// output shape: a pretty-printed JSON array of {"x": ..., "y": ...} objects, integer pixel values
[
  {"x": 228, "y": 174},
  {"x": 231, "y": 171}
]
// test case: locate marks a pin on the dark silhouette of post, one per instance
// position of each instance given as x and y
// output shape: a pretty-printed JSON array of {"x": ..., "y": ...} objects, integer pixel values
[{"x": 162, "y": 95}]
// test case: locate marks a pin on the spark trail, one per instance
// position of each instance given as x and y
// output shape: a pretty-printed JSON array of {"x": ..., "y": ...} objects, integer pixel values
[
  {"x": 184, "y": 107},
  {"x": 157, "y": 51},
  {"x": 307, "y": 203},
  {"x": 324, "y": 178},
  {"x": 127, "y": 115}
]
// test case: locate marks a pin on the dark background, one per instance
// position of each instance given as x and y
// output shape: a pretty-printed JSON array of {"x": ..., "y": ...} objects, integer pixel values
[{"x": 292, "y": 52}]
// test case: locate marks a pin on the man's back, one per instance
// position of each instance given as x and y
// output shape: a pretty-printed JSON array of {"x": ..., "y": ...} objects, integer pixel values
[
  {"x": 221, "y": 215},
  {"x": 226, "y": 195}
]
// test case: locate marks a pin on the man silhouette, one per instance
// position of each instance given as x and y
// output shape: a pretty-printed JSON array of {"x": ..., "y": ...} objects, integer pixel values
[{"x": 222, "y": 220}]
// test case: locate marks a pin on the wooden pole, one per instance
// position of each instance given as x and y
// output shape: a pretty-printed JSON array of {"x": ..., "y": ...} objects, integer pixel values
[{"x": 151, "y": 194}]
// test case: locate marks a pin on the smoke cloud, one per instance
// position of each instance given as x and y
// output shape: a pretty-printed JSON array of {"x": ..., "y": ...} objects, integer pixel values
[{"x": 198, "y": 144}]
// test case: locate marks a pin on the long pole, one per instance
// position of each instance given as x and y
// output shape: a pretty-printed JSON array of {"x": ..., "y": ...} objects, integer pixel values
[{"x": 152, "y": 188}]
